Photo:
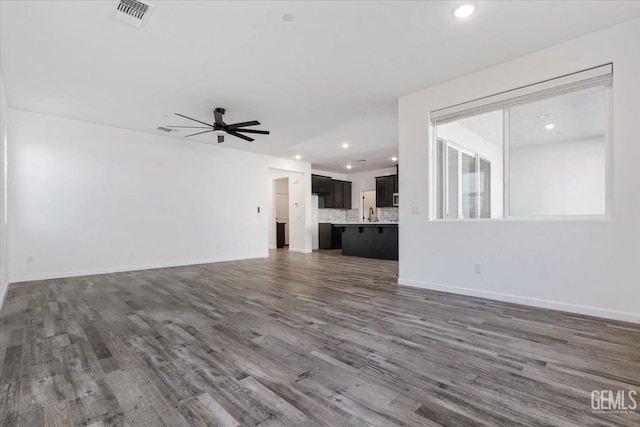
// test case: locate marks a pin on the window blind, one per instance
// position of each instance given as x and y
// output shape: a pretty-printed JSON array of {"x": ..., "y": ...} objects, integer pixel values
[{"x": 597, "y": 76}]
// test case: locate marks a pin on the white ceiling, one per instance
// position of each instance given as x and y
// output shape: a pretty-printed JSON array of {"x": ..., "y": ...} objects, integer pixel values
[
  {"x": 333, "y": 74},
  {"x": 577, "y": 116}
]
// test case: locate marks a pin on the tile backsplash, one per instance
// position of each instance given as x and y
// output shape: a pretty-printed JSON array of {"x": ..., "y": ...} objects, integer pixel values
[
  {"x": 388, "y": 214},
  {"x": 353, "y": 215},
  {"x": 337, "y": 215}
]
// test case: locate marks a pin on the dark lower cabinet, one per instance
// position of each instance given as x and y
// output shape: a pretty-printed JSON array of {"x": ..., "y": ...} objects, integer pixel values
[
  {"x": 280, "y": 234},
  {"x": 330, "y": 237},
  {"x": 370, "y": 241}
]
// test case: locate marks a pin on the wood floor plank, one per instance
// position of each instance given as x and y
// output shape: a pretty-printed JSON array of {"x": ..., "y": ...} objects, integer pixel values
[
  {"x": 299, "y": 339},
  {"x": 56, "y": 414},
  {"x": 9, "y": 403}
]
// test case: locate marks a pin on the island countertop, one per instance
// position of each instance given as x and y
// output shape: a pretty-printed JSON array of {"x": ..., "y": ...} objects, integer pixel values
[{"x": 369, "y": 239}]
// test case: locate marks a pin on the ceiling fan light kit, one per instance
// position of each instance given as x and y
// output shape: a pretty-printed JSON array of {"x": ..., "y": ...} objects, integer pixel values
[{"x": 220, "y": 128}]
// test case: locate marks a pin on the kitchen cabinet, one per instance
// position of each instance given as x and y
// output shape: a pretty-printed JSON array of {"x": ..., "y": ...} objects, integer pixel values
[
  {"x": 329, "y": 198},
  {"x": 341, "y": 194},
  {"x": 337, "y": 194},
  {"x": 280, "y": 234},
  {"x": 385, "y": 187},
  {"x": 329, "y": 237},
  {"x": 346, "y": 195},
  {"x": 320, "y": 185},
  {"x": 369, "y": 240}
]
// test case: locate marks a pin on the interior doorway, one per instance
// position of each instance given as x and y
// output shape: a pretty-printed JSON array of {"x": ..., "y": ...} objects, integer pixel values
[
  {"x": 281, "y": 187},
  {"x": 369, "y": 209},
  {"x": 289, "y": 204}
]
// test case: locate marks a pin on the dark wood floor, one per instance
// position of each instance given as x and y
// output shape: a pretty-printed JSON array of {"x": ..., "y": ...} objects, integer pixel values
[{"x": 315, "y": 339}]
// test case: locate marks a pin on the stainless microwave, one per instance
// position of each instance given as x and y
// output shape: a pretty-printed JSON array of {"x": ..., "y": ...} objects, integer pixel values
[{"x": 396, "y": 201}]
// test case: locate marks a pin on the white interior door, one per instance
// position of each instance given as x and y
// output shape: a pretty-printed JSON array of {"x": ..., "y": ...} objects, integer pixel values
[{"x": 369, "y": 209}]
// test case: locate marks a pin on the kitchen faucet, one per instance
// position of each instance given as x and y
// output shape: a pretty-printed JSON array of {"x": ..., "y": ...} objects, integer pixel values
[{"x": 370, "y": 214}]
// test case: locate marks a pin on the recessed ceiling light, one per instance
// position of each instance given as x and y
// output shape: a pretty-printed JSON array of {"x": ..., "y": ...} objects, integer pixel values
[
  {"x": 298, "y": 156},
  {"x": 345, "y": 145},
  {"x": 464, "y": 10},
  {"x": 549, "y": 126},
  {"x": 544, "y": 116},
  {"x": 288, "y": 17},
  {"x": 349, "y": 166},
  {"x": 394, "y": 159}
]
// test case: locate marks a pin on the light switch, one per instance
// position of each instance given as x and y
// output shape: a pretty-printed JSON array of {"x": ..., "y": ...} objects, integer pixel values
[{"x": 416, "y": 210}]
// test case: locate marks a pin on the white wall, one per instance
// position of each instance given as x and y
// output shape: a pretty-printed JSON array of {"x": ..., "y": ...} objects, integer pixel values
[
  {"x": 4, "y": 229},
  {"x": 588, "y": 266},
  {"x": 333, "y": 175},
  {"x": 87, "y": 198},
  {"x": 560, "y": 178}
]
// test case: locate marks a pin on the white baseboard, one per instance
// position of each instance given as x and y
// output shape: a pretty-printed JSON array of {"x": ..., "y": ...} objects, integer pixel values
[
  {"x": 534, "y": 302},
  {"x": 93, "y": 272},
  {"x": 3, "y": 293},
  {"x": 302, "y": 251}
]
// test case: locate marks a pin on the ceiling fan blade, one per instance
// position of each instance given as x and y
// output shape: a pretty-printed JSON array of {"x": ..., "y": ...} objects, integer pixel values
[
  {"x": 246, "y": 138},
  {"x": 194, "y": 134},
  {"x": 242, "y": 124},
  {"x": 191, "y": 127},
  {"x": 218, "y": 116},
  {"x": 178, "y": 114},
  {"x": 261, "y": 132},
  {"x": 220, "y": 138}
]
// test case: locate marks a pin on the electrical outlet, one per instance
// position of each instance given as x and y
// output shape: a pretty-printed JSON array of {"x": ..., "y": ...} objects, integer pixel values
[
  {"x": 477, "y": 267},
  {"x": 416, "y": 210}
]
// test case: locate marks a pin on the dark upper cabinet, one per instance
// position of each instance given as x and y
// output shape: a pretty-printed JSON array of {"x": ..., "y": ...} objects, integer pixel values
[
  {"x": 385, "y": 187},
  {"x": 329, "y": 199},
  {"x": 321, "y": 184},
  {"x": 381, "y": 191},
  {"x": 347, "y": 195},
  {"x": 332, "y": 193},
  {"x": 338, "y": 194},
  {"x": 341, "y": 194}
]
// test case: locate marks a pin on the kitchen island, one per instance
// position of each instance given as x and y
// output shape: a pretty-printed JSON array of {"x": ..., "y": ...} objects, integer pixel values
[{"x": 369, "y": 239}]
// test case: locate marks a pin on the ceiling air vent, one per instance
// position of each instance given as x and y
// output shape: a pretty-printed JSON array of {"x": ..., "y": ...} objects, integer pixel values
[
  {"x": 164, "y": 129},
  {"x": 133, "y": 12}
]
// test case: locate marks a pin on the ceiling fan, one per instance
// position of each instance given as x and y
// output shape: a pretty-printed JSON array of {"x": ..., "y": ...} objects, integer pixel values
[{"x": 220, "y": 128}]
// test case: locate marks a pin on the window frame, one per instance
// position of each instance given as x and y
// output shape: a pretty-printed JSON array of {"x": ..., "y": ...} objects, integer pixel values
[
  {"x": 446, "y": 144},
  {"x": 434, "y": 179}
]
